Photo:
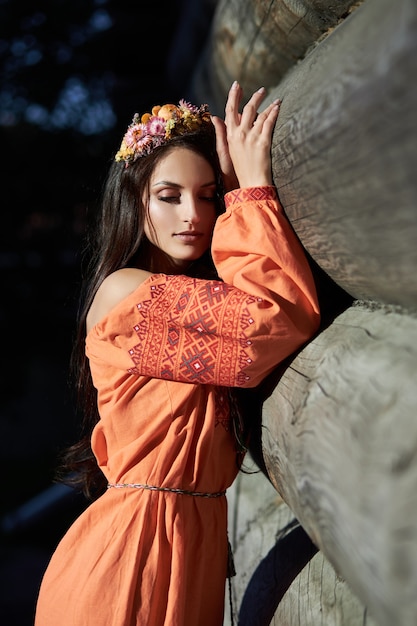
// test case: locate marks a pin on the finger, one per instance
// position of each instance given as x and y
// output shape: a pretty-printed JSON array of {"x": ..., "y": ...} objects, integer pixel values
[
  {"x": 250, "y": 110},
  {"x": 272, "y": 106},
  {"x": 221, "y": 139},
  {"x": 232, "y": 115},
  {"x": 222, "y": 148},
  {"x": 267, "y": 118}
]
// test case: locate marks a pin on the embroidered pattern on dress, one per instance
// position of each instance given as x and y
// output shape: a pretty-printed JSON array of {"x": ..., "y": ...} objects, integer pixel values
[
  {"x": 222, "y": 407},
  {"x": 194, "y": 331},
  {"x": 249, "y": 194}
]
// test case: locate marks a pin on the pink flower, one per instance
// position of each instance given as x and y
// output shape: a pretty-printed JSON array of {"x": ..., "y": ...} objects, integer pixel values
[
  {"x": 190, "y": 107},
  {"x": 133, "y": 135},
  {"x": 143, "y": 144},
  {"x": 156, "y": 126}
]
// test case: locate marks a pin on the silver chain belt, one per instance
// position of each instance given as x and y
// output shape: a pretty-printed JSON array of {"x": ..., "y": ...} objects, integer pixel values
[{"x": 184, "y": 492}]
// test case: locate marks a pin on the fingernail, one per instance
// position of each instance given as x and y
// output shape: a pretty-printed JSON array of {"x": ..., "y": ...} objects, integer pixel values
[
  {"x": 235, "y": 84},
  {"x": 261, "y": 90},
  {"x": 277, "y": 101}
]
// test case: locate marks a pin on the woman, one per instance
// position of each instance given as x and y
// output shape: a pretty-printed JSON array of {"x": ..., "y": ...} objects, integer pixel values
[{"x": 165, "y": 341}]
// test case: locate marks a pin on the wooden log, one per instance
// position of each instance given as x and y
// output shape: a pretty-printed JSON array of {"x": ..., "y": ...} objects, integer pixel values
[
  {"x": 326, "y": 599},
  {"x": 340, "y": 446},
  {"x": 345, "y": 152},
  {"x": 345, "y": 146},
  {"x": 280, "y": 577},
  {"x": 259, "y": 40}
]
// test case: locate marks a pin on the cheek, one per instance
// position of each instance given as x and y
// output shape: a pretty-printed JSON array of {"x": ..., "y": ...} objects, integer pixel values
[
  {"x": 151, "y": 229},
  {"x": 152, "y": 221},
  {"x": 147, "y": 228}
]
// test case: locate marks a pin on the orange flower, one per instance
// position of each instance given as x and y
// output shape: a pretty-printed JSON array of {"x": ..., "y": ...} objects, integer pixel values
[{"x": 168, "y": 111}]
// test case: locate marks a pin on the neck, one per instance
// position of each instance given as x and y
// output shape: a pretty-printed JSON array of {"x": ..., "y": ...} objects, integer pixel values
[{"x": 154, "y": 260}]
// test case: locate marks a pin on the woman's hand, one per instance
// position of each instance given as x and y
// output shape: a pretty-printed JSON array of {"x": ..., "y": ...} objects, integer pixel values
[{"x": 244, "y": 140}]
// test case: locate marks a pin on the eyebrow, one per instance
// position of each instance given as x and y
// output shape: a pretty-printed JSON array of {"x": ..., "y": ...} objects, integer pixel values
[{"x": 178, "y": 186}]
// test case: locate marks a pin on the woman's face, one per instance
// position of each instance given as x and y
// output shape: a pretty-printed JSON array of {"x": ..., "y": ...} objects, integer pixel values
[{"x": 182, "y": 208}]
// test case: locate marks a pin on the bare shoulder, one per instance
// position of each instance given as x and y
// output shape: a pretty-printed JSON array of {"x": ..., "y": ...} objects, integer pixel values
[{"x": 115, "y": 288}]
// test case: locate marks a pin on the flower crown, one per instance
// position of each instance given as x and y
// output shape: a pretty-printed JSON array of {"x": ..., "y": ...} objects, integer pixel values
[{"x": 159, "y": 127}]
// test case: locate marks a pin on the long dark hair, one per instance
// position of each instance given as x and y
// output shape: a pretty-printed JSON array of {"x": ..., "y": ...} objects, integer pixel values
[{"x": 117, "y": 240}]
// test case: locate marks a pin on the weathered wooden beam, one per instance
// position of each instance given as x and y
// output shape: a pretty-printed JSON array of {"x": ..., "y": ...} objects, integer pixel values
[
  {"x": 253, "y": 40},
  {"x": 340, "y": 445},
  {"x": 345, "y": 149},
  {"x": 280, "y": 577},
  {"x": 345, "y": 152}
]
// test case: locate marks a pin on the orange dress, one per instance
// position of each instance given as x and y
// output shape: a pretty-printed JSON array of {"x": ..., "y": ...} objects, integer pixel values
[{"x": 161, "y": 361}]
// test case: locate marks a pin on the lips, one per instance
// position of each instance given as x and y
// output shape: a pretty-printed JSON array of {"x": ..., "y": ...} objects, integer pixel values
[{"x": 188, "y": 236}]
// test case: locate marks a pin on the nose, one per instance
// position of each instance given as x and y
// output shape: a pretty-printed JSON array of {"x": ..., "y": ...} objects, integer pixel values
[{"x": 191, "y": 213}]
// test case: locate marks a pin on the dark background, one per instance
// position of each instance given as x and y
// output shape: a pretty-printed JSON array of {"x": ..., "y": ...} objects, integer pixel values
[{"x": 73, "y": 72}]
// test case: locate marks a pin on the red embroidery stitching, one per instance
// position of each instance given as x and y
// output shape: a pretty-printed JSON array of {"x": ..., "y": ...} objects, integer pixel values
[
  {"x": 249, "y": 194},
  {"x": 222, "y": 408},
  {"x": 193, "y": 331}
]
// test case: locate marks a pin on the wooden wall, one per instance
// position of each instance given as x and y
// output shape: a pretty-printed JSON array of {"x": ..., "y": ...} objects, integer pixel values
[{"x": 339, "y": 424}]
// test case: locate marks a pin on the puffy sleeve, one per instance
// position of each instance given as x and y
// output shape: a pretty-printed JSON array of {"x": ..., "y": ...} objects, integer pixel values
[
  {"x": 256, "y": 250},
  {"x": 232, "y": 332}
]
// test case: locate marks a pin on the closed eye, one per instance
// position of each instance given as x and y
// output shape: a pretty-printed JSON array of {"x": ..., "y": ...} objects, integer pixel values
[
  {"x": 170, "y": 199},
  {"x": 177, "y": 199}
]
